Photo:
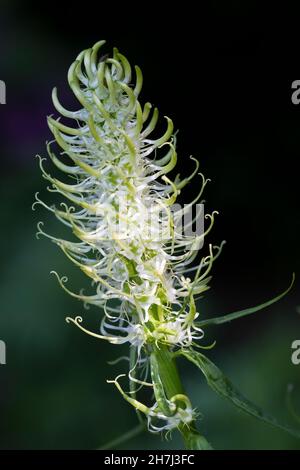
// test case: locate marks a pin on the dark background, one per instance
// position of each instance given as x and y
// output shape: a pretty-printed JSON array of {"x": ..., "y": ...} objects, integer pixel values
[{"x": 228, "y": 89}]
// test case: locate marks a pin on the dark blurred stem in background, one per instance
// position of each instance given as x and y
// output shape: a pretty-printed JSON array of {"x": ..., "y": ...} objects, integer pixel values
[{"x": 127, "y": 436}]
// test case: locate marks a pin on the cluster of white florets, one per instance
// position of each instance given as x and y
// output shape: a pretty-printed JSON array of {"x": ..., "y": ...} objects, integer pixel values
[{"x": 119, "y": 206}]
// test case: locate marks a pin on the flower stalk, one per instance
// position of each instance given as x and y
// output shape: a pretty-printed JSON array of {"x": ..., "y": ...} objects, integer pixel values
[{"x": 173, "y": 387}]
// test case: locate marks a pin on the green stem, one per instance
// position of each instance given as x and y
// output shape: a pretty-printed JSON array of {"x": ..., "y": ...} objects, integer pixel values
[
  {"x": 173, "y": 386},
  {"x": 168, "y": 371}
]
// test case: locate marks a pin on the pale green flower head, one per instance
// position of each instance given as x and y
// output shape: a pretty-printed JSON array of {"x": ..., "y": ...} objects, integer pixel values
[
  {"x": 119, "y": 206},
  {"x": 119, "y": 203}
]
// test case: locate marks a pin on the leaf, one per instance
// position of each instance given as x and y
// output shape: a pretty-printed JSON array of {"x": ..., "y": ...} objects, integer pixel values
[
  {"x": 194, "y": 441},
  {"x": 223, "y": 386},
  {"x": 247, "y": 311}
]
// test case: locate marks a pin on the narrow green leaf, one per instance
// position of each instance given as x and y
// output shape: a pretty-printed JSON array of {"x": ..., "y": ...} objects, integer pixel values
[
  {"x": 247, "y": 311},
  {"x": 222, "y": 385},
  {"x": 194, "y": 441}
]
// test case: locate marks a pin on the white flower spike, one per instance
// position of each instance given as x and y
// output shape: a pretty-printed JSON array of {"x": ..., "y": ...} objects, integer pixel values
[{"x": 118, "y": 203}]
